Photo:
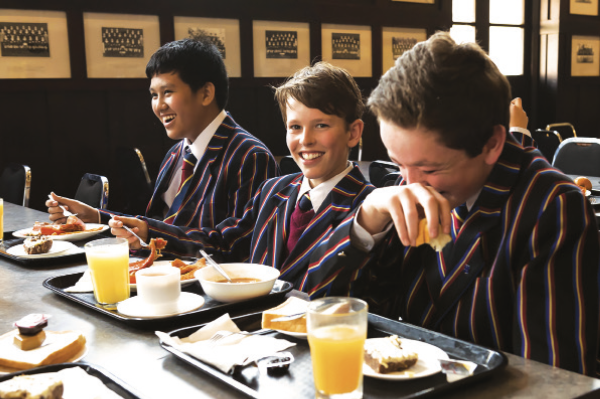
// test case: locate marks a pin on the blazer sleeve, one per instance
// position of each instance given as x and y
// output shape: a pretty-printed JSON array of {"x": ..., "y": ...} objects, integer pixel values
[{"x": 556, "y": 296}]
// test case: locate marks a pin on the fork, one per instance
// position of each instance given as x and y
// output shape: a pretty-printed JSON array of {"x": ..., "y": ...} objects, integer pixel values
[
  {"x": 219, "y": 335},
  {"x": 142, "y": 242},
  {"x": 66, "y": 213}
]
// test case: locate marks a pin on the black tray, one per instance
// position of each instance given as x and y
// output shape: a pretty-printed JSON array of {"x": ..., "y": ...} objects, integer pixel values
[
  {"x": 210, "y": 310},
  {"x": 111, "y": 382},
  {"x": 298, "y": 382}
]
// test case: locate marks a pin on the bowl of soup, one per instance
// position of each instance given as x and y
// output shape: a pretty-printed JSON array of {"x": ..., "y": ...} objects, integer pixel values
[{"x": 249, "y": 280}]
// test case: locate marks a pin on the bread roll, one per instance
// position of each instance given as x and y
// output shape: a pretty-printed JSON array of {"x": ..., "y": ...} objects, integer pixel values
[
  {"x": 292, "y": 306},
  {"x": 59, "y": 347},
  {"x": 437, "y": 243}
]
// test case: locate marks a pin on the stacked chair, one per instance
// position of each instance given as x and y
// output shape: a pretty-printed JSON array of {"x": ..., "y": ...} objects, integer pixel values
[
  {"x": 578, "y": 156},
  {"x": 93, "y": 190},
  {"x": 383, "y": 173},
  {"x": 15, "y": 184}
]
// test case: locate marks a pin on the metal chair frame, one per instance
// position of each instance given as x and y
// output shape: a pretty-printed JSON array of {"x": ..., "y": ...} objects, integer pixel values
[
  {"x": 104, "y": 193},
  {"x": 561, "y": 124}
]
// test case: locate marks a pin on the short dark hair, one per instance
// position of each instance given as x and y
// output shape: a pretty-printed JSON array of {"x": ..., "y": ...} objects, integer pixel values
[
  {"x": 330, "y": 89},
  {"x": 196, "y": 61},
  {"x": 454, "y": 90}
]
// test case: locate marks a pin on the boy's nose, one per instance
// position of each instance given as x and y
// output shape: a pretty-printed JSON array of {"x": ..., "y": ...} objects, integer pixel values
[
  {"x": 307, "y": 137},
  {"x": 412, "y": 176}
]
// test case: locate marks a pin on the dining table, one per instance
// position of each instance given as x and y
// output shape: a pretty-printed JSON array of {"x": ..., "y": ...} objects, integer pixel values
[{"x": 136, "y": 358}]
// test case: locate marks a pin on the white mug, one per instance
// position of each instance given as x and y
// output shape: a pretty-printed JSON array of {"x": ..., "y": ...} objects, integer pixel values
[{"x": 159, "y": 288}]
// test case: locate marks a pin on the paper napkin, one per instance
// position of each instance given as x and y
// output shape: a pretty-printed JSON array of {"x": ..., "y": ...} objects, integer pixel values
[
  {"x": 83, "y": 285},
  {"x": 228, "y": 352}
]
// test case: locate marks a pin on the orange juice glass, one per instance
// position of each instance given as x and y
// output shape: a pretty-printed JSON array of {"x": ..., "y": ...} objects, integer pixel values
[
  {"x": 108, "y": 259},
  {"x": 337, "y": 329}
]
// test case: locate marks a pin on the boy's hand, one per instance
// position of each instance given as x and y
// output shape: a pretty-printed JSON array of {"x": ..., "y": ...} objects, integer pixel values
[
  {"x": 139, "y": 227},
  {"x": 405, "y": 205},
  {"x": 518, "y": 116},
  {"x": 84, "y": 212}
]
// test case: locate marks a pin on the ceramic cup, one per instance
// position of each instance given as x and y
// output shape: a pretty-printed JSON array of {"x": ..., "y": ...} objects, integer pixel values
[{"x": 159, "y": 288}]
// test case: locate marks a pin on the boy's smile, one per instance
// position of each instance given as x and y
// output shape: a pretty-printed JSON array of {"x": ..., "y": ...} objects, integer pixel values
[{"x": 319, "y": 143}]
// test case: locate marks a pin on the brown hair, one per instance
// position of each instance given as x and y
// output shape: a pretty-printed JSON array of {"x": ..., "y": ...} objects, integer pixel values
[
  {"x": 454, "y": 90},
  {"x": 328, "y": 88}
]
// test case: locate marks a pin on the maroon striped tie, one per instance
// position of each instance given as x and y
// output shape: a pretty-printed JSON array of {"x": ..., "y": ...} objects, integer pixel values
[{"x": 301, "y": 217}]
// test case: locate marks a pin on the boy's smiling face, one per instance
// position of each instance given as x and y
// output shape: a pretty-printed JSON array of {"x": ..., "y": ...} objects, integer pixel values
[{"x": 318, "y": 142}]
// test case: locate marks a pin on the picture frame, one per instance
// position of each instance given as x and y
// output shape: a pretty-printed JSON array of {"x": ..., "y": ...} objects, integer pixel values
[
  {"x": 119, "y": 45},
  {"x": 348, "y": 47},
  {"x": 280, "y": 48},
  {"x": 395, "y": 41},
  {"x": 585, "y": 56},
  {"x": 34, "y": 45},
  {"x": 584, "y": 7},
  {"x": 417, "y": 1},
  {"x": 224, "y": 33}
]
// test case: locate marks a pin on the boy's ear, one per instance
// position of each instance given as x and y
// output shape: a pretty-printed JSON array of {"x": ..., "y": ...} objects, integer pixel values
[
  {"x": 495, "y": 144},
  {"x": 207, "y": 93},
  {"x": 356, "y": 130}
]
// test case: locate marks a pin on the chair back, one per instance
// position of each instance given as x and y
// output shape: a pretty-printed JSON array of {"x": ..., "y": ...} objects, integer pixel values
[
  {"x": 547, "y": 142},
  {"x": 378, "y": 170},
  {"x": 578, "y": 156},
  {"x": 134, "y": 180},
  {"x": 15, "y": 184},
  {"x": 93, "y": 190},
  {"x": 390, "y": 179},
  {"x": 288, "y": 165},
  {"x": 566, "y": 128}
]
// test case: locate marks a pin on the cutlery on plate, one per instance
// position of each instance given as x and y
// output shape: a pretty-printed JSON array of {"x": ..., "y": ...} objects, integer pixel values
[
  {"x": 142, "y": 242},
  {"x": 65, "y": 212},
  {"x": 289, "y": 317},
  {"x": 214, "y": 264}
]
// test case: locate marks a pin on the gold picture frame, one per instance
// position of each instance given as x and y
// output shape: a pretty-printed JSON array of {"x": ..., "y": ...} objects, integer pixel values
[
  {"x": 585, "y": 56},
  {"x": 280, "y": 48},
  {"x": 348, "y": 47},
  {"x": 119, "y": 45},
  {"x": 397, "y": 40},
  {"x": 225, "y": 33},
  {"x": 34, "y": 45},
  {"x": 584, "y": 7}
]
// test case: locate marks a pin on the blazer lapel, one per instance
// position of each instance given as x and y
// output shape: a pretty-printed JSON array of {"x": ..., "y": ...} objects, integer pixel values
[{"x": 156, "y": 205}]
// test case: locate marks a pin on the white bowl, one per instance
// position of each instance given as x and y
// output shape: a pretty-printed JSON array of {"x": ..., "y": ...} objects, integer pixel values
[{"x": 228, "y": 292}]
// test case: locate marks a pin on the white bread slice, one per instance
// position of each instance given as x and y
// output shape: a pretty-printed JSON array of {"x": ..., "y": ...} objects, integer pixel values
[
  {"x": 438, "y": 243},
  {"x": 58, "y": 347},
  {"x": 34, "y": 386},
  {"x": 292, "y": 306}
]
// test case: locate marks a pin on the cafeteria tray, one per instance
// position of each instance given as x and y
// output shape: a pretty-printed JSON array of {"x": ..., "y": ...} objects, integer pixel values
[
  {"x": 210, "y": 310},
  {"x": 298, "y": 381},
  {"x": 61, "y": 258},
  {"x": 111, "y": 382}
]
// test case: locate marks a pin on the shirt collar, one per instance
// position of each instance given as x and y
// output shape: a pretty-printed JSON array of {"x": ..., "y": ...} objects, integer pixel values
[
  {"x": 198, "y": 147},
  {"x": 471, "y": 200},
  {"x": 318, "y": 194}
]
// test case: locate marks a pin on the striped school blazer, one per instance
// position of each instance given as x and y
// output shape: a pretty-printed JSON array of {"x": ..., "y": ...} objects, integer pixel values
[
  {"x": 234, "y": 165},
  {"x": 521, "y": 275},
  {"x": 260, "y": 236}
]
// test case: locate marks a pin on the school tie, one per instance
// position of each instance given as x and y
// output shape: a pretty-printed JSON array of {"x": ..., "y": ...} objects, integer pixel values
[
  {"x": 301, "y": 217},
  {"x": 459, "y": 214},
  {"x": 187, "y": 171}
]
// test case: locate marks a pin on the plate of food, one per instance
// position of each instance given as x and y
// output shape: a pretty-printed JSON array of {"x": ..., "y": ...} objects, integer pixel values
[
  {"x": 40, "y": 247},
  {"x": 406, "y": 359},
  {"x": 288, "y": 318},
  {"x": 73, "y": 230}
]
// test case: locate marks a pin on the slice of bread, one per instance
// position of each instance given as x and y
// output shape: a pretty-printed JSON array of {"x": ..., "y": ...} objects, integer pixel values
[
  {"x": 34, "y": 386},
  {"x": 292, "y": 306},
  {"x": 58, "y": 347},
  {"x": 438, "y": 243}
]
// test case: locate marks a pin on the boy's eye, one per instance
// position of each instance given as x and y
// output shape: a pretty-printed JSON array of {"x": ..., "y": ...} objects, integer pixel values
[
  {"x": 294, "y": 127},
  {"x": 428, "y": 172},
  {"x": 322, "y": 125}
]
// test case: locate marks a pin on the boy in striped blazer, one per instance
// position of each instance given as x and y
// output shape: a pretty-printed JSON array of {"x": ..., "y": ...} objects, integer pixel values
[
  {"x": 322, "y": 108},
  {"x": 224, "y": 164},
  {"x": 521, "y": 273}
]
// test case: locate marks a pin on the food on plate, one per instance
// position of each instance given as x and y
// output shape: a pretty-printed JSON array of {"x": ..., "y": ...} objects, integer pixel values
[
  {"x": 584, "y": 183},
  {"x": 34, "y": 386},
  {"x": 156, "y": 245},
  {"x": 31, "y": 334},
  {"x": 385, "y": 355},
  {"x": 290, "y": 307},
  {"x": 437, "y": 243},
  {"x": 37, "y": 245},
  {"x": 73, "y": 225},
  {"x": 59, "y": 347},
  {"x": 188, "y": 270}
]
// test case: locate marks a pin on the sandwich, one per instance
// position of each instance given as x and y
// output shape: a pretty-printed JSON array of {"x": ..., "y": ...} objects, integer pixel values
[
  {"x": 386, "y": 355},
  {"x": 438, "y": 243},
  {"x": 290, "y": 307}
]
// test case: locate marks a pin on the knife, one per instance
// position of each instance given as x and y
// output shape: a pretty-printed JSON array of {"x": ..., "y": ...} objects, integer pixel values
[{"x": 289, "y": 317}]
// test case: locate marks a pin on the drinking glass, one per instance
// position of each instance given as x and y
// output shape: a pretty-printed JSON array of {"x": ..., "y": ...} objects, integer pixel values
[
  {"x": 108, "y": 259},
  {"x": 337, "y": 329}
]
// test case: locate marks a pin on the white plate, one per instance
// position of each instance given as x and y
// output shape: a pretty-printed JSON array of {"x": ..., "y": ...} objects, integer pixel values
[
  {"x": 184, "y": 283},
  {"x": 428, "y": 363},
  {"x": 71, "y": 236},
  {"x": 134, "y": 307},
  {"x": 76, "y": 357},
  {"x": 298, "y": 335},
  {"x": 58, "y": 247}
]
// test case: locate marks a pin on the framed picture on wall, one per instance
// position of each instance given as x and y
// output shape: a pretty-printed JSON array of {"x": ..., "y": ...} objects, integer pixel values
[
  {"x": 417, "y": 1},
  {"x": 119, "y": 45},
  {"x": 280, "y": 48},
  {"x": 34, "y": 44},
  {"x": 585, "y": 51},
  {"x": 395, "y": 41},
  {"x": 584, "y": 7},
  {"x": 349, "y": 47},
  {"x": 224, "y": 33}
]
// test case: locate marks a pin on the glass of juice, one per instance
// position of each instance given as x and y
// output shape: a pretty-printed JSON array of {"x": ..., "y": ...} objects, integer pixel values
[
  {"x": 337, "y": 329},
  {"x": 108, "y": 259}
]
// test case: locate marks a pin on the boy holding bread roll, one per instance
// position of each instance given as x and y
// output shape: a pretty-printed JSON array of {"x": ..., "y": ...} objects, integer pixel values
[
  {"x": 291, "y": 217},
  {"x": 520, "y": 273}
]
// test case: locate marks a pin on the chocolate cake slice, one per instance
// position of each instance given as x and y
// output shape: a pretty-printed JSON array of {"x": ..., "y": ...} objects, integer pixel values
[
  {"x": 385, "y": 355},
  {"x": 37, "y": 245}
]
